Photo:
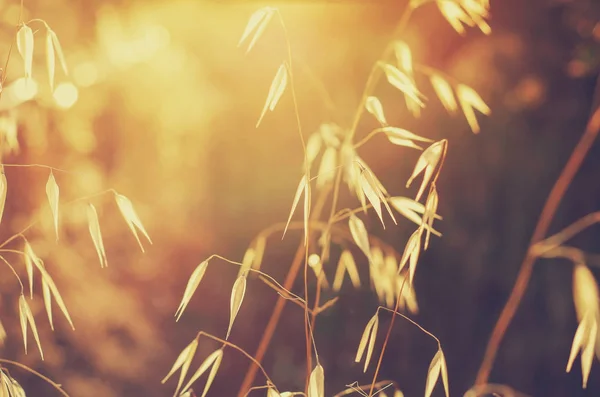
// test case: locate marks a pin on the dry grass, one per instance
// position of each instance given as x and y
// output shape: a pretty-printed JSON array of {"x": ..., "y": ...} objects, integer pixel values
[{"x": 332, "y": 167}]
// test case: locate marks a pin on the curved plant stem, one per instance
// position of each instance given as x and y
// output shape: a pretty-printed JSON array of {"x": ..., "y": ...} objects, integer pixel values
[
  {"x": 57, "y": 386},
  {"x": 556, "y": 194},
  {"x": 239, "y": 349}
]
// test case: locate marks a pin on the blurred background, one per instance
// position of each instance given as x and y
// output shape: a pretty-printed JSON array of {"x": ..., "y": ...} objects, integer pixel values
[{"x": 160, "y": 104}]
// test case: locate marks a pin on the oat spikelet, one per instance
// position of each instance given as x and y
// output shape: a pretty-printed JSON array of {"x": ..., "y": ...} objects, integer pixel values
[
  {"x": 53, "y": 192},
  {"x": 50, "y": 59},
  {"x": 271, "y": 392},
  {"x": 346, "y": 264},
  {"x": 59, "y": 52},
  {"x": 369, "y": 335},
  {"x": 373, "y": 106},
  {"x": 316, "y": 382},
  {"x": 256, "y": 24},
  {"x": 302, "y": 186},
  {"x": 430, "y": 211},
  {"x": 213, "y": 361},
  {"x": 327, "y": 167},
  {"x": 49, "y": 283},
  {"x": 30, "y": 259},
  {"x": 132, "y": 219},
  {"x": 411, "y": 209},
  {"x": 191, "y": 286},
  {"x": 437, "y": 367},
  {"x": 411, "y": 254},
  {"x": 313, "y": 147},
  {"x": 444, "y": 92},
  {"x": 3, "y": 190},
  {"x": 400, "y": 136},
  {"x": 94, "y": 227},
  {"x": 183, "y": 361},
  {"x": 237, "y": 296},
  {"x": 25, "y": 47},
  {"x": 275, "y": 91},
  {"x": 402, "y": 82},
  {"x": 2, "y": 334},
  {"x": 427, "y": 162},
  {"x": 47, "y": 296},
  {"x": 470, "y": 101},
  {"x": 585, "y": 291},
  {"x": 26, "y": 317},
  {"x": 374, "y": 192},
  {"x": 584, "y": 341},
  {"x": 360, "y": 235}
]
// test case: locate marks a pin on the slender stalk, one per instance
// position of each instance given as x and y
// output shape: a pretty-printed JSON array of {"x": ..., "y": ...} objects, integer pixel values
[
  {"x": 387, "y": 337},
  {"x": 541, "y": 229},
  {"x": 239, "y": 349},
  {"x": 57, "y": 386}
]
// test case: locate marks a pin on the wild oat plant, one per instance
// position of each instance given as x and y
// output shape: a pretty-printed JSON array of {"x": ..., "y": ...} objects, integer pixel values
[
  {"x": 336, "y": 149},
  {"x": 17, "y": 248}
]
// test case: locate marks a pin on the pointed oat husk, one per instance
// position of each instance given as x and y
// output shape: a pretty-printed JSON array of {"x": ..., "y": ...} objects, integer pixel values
[
  {"x": 360, "y": 235},
  {"x": 2, "y": 334},
  {"x": 26, "y": 317},
  {"x": 584, "y": 341},
  {"x": 431, "y": 205},
  {"x": 371, "y": 195},
  {"x": 470, "y": 101},
  {"x": 6, "y": 386},
  {"x": 316, "y": 382},
  {"x": 373, "y": 106},
  {"x": 301, "y": 188},
  {"x": 213, "y": 361},
  {"x": 410, "y": 209},
  {"x": 395, "y": 134},
  {"x": 327, "y": 166},
  {"x": 25, "y": 48},
  {"x": 369, "y": 335},
  {"x": 47, "y": 301},
  {"x": 585, "y": 291},
  {"x": 50, "y": 59},
  {"x": 30, "y": 259},
  {"x": 444, "y": 92},
  {"x": 132, "y": 219},
  {"x": 271, "y": 392},
  {"x": 183, "y": 361},
  {"x": 313, "y": 147},
  {"x": 191, "y": 286},
  {"x": 405, "y": 63},
  {"x": 427, "y": 162},
  {"x": 437, "y": 367},
  {"x": 53, "y": 192},
  {"x": 275, "y": 91},
  {"x": 375, "y": 193},
  {"x": 455, "y": 15},
  {"x": 411, "y": 254},
  {"x": 237, "y": 296},
  {"x": 49, "y": 282},
  {"x": 256, "y": 24},
  {"x": 94, "y": 227},
  {"x": 402, "y": 82},
  {"x": 346, "y": 264},
  {"x": 3, "y": 190},
  {"x": 59, "y": 51}
]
